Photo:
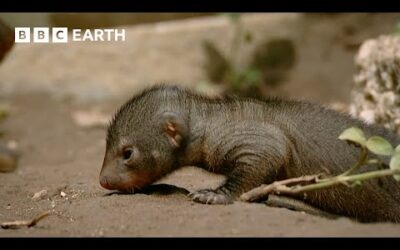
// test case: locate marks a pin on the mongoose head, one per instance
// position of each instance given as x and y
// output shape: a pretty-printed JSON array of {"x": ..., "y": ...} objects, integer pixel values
[{"x": 143, "y": 143}]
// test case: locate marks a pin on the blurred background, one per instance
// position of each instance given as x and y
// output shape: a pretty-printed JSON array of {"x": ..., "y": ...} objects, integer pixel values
[{"x": 299, "y": 55}]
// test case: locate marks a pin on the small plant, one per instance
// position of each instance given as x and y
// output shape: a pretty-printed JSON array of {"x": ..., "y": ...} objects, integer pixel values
[
  {"x": 397, "y": 28},
  {"x": 268, "y": 64},
  {"x": 224, "y": 69},
  {"x": 3, "y": 115},
  {"x": 375, "y": 144}
]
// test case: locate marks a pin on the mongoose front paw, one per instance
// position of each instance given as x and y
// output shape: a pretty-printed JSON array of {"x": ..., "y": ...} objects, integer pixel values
[{"x": 208, "y": 196}]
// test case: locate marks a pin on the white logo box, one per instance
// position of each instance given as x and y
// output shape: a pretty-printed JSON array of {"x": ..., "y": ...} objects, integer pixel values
[{"x": 60, "y": 35}]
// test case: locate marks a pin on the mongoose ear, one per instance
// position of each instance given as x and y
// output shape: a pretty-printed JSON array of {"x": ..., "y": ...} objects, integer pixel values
[{"x": 175, "y": 128}]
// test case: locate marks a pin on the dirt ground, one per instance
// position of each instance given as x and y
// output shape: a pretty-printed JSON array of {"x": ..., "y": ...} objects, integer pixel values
[{"x": 59, "y": 156}]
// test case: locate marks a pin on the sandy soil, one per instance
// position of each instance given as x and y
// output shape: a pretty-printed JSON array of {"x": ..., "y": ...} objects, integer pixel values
[{"x": 59, "y": 156}]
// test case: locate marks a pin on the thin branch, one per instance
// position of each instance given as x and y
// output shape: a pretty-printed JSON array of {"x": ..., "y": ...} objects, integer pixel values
[
  {"x": 345, "y": 179},
  {"x": 38, "y": 218},
  {"x": 24, "y": 223},
  {"x": 280, "y": 187},
  {"x": 263, "y": 190}
]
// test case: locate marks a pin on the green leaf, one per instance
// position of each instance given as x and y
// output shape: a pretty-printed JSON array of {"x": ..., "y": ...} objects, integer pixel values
[
  {"x": 353, "y": 134},
  {"x": 3, "y": 112},
  {"x": 397, "y": 149},
  {"x": 397, "y": 28},
  {"x": 395, "y": 164},
  {"x": 248, "y": 37},
  {"x": 251, "y": 76},
  {"x": 379, "y": 146}
]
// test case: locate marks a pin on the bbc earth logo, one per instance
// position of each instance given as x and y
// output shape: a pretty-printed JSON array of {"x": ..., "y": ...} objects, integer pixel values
[{"x": 60, "y": 35}]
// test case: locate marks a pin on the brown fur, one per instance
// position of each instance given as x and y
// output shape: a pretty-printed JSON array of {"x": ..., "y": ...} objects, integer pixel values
[{"x": 250, "y": 141}]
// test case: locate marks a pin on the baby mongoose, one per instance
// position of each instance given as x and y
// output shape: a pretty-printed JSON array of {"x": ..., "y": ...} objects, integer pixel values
[{"x": 250, "y": 141}]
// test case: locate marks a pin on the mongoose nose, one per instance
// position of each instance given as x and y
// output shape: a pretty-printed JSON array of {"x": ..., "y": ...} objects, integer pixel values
[{"x": 104, "y": 182}]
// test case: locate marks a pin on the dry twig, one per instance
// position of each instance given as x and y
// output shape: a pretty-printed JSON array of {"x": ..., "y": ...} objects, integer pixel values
[{"x": 22, "y": 223}]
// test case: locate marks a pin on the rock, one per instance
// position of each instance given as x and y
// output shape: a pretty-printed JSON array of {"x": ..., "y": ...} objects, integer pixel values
[
  {"x": 12, "y": 145},
  {"x": 91, "y": 119},
  {"x": 152, "y": 53},
  {"x": 376, "y": 94},
  {"x": 40, "y": 195},
  {"x": 339, "y": 106},
  {"x": 6, "y": 39},
  {"x": 8, "y": 159}
]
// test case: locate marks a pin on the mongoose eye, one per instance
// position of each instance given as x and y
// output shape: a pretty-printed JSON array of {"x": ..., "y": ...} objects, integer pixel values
[{"x": 127, "y": 153}]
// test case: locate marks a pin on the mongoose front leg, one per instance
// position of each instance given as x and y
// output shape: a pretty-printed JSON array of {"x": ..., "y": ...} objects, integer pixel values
[
  {"x": 241, "y": 179},
  {"x": 246, "y": 169}
]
